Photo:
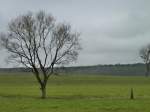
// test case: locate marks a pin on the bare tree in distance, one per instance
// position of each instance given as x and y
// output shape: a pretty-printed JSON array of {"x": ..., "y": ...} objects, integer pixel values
[
  {"x": 37, "y": 42},
  {"x": 145, "y": 55}
]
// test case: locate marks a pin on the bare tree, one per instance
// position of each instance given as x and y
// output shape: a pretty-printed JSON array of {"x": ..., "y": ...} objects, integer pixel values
[
  {"x": 39, "y": 43},
  {"x": 145, "y": 55}
]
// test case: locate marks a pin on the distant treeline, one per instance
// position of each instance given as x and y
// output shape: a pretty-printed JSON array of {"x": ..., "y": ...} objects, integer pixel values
[{"x": 137, "y": 69}]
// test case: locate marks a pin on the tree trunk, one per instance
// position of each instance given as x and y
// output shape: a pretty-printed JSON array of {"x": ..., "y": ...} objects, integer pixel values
[
  {"x": 147, "y": 70},
  {"x": 43, "y": 91},
  {"x": 147, "y": 73}
]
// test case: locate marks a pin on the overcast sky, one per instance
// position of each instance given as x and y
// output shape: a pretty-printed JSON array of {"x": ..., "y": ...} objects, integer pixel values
[{"x": 112, "y": 31}]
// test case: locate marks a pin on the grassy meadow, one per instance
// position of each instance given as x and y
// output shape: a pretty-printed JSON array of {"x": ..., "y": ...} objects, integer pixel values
[{"x": 19, "y": 92}]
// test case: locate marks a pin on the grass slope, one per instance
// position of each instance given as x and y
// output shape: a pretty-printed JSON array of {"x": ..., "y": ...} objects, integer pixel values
[{"x": 74, "y": 93}]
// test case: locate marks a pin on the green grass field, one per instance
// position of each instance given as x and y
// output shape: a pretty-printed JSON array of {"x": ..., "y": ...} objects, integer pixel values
[{"x": 74, "y": 93}]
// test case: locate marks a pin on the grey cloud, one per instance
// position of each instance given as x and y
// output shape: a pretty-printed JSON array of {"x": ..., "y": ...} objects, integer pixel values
[
  {"x": 128, "y": 26},
  {"x": 112, "y": 31}
]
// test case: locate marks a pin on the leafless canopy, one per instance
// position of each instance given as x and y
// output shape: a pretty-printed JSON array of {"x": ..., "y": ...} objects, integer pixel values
[
  {"x": 145, "y": 55},
  {"x": 39, "y": 43}
]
